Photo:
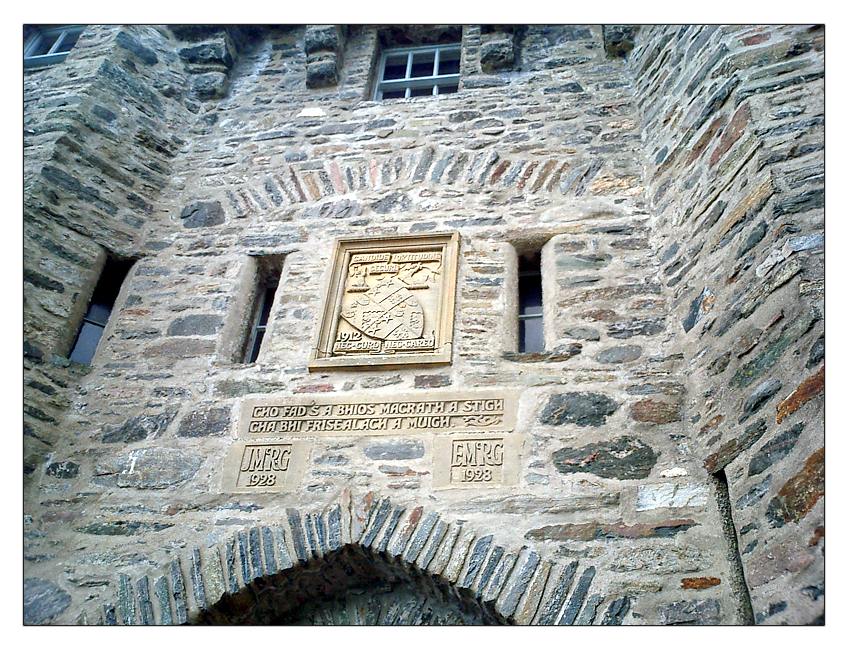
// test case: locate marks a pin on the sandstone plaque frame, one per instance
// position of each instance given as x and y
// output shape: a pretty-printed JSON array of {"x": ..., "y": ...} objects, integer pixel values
[{"x": 389, "y": 301}]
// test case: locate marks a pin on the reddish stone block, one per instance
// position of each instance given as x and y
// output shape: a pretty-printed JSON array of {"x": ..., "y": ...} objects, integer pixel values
[
  {"x": 806, "y": 391},
  {"x": 656, "y": 411},
  {"x": 527, "y": 174},
  {"x": 502, "y": 167},
  {"x": 546, "y": 170},
  {"x": 314, "y": 388},
  {"x": 801, "y": 493},
  {"x": 312, "y": 186},
  {"x": 733, "y": 133},
  {"x": 711, "y": 424},
  {"x": 704, "y": 582},
  {"x": 754, "y": 40},
  {"x": 554, "y": 181},
  {"x": 336, "y": 177},
  {"x": 707, "y": 136}
]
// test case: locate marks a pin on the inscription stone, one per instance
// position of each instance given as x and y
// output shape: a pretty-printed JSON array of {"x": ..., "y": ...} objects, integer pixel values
[
  {"x": 265, "y": 465},
  {"x": 389, "y": 301},
  {"x": 475, "y": 461},
  {"x": 437, "y": 412}
]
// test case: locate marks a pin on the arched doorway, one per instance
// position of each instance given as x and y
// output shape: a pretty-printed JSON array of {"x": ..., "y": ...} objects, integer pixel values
[
  {"x": 360, "y": 560},
  {"x": 350, "y": 586}
]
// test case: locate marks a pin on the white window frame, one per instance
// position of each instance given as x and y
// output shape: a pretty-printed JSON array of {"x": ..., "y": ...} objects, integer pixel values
[
  {"x": 408, "y": 83},
  {"x": 54, "y": 55}
]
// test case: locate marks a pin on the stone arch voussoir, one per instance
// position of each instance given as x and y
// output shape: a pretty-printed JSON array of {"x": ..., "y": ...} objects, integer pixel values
[
  {"x": 511, "y": 585},
  {"x": 434, "y": 166}
]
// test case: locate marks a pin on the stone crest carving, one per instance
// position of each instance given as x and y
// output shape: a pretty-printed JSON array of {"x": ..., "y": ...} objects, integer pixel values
[{"x": 389, "y": 302}]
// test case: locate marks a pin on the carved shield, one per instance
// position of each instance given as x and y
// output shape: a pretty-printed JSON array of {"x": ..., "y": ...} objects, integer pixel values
[{"x": 388, "y": 312}]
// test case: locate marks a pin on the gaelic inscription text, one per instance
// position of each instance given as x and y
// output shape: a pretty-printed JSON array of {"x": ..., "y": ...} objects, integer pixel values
[{"x": 436, "y": 412}]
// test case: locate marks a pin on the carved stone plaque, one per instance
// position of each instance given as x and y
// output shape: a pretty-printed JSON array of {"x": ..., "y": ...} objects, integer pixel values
[
  {"x": 393, "y": 414},
  {"x": 475, "y": 461},
  {"x": 265, "y": 465},
  {"x": 389, "y": 302}
]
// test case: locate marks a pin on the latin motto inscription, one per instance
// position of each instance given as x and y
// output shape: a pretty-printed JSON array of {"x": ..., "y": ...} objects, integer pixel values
[{"x": 475, "y": 411}]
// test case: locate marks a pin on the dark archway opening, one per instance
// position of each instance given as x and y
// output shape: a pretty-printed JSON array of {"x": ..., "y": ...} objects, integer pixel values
[{"x": 351, "y": 586}]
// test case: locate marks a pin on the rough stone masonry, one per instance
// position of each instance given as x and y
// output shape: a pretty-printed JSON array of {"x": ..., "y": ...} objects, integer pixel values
[{"x": 668, "y": 441}]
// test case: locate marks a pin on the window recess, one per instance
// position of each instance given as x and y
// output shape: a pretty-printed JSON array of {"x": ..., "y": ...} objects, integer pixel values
[
  {"x": 266, "y": 280},
  {"x": 99, "y": 310},
  {"x": 418, "y": 71},
  {"x": 260, "y": 321},
  {"x": 50, "y": 44}
]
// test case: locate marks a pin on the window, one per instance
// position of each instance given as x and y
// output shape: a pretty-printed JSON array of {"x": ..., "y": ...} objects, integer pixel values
[
  {"x": 49, "y": 45},
  {"x": 530, "y": 303},
  {"x": 265, "y": 299},
  {"x": 99, "y": 309},
  {"x": 264, "y": 278},
  {"x": 418, "y": 71}
]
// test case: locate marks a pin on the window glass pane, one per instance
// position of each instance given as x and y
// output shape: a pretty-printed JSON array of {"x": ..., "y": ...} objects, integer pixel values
[
  {"x": 530, "y": 335},
  {"x": 445, "y": 90},
  {"x": 449, "y": 62},
  {"x": 261, "y": 313},
  {"x": 530, "y": 284},
  {"x": 43, "y": 45},
  {"x": 255, "y": 349},
  {"x": 423, "y": 64},
  {"x": 530, "y": 294},
  {"x": 421, "y": 92},
  {"x": 69, "y": 41},
  {"x": 268, "y": 300},
  {"x": 393, "y": 94},
  {"x": 86, "y": 344},
  {"x": 396, "y": 67},
  {"x": 99, "y": 313}
]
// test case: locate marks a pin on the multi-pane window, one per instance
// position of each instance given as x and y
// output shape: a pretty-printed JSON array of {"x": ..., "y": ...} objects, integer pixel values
[
  {"x": 48, "y": 45},
  {"x": 99, "y": 309},
  {"x": 418, "y": 71},
  {"x": 530, "y": 303}
]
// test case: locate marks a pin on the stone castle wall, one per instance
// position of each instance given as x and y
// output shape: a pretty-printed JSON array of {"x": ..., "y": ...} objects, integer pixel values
[
  {"x": 733, "y": 122},
  {"x": 100, "y": 134},
  {"x": 194, "y": 149}
]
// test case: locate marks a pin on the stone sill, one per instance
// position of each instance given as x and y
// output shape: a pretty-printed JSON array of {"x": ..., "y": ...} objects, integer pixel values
[{"x": 563, "y": 353}]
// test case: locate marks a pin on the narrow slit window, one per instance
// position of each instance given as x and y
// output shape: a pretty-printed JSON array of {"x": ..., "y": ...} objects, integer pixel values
[
  {"x": 99, "y": 309},
  {"x": 418, "y": 71},
  {"x": 530, "y": 303},
  {"x": 269, "y": 279}
]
